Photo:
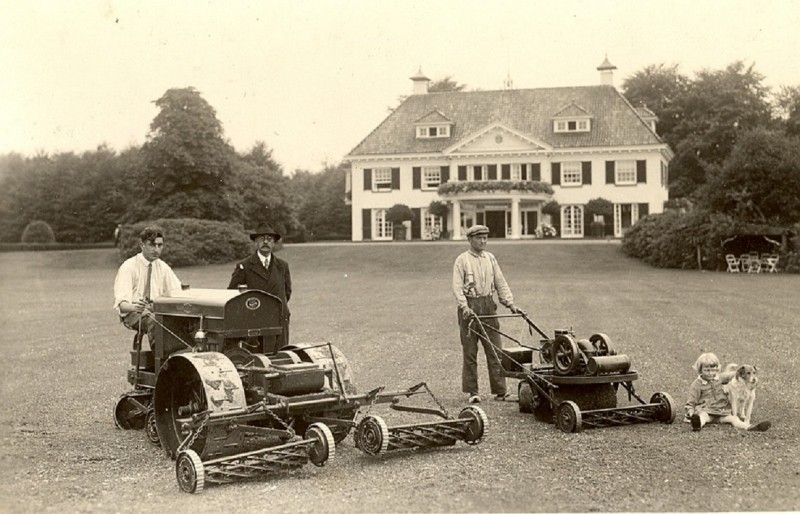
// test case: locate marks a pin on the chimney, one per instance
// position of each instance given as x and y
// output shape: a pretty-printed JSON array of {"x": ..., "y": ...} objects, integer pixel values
[
  {"x": 421, "y": 83},
  {"x": 606, "y": 70}
]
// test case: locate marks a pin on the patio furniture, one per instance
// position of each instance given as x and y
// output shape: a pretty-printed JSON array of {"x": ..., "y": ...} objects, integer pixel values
[
  {"x": 755, "y": 263},
  {"x": 744, "y": 261},
  {"x": 770, "y": 262},
  {"x": 733, "y": 263}
]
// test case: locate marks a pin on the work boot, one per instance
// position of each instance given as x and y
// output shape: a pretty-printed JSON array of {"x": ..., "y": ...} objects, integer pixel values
[{"x": 474, "y": 398}]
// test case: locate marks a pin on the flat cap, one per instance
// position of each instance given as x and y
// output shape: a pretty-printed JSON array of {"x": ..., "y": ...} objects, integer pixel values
[
  {"x": 478, "y": 230},
  {"x": 265, "y": 229}
]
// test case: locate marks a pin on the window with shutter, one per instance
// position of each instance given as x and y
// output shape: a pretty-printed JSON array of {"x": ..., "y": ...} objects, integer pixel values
[
  {"x": 625, "y": 173},
  {"x": 536, "y": 172},
  {"x": 586, "y": 169},
  {"x": 431, "y": 177},
  {"x": 492, "y": 174},
  {"x": 367, "y": 179},
  {"x": 641, "y": 172},
  {"x": 381, "y": 179},
  {"x": 555, "y": 172},
  {"x": 505, "y": 172},
  {"x": 571, "y": 173},
  {"x": 462, "y": 173}
]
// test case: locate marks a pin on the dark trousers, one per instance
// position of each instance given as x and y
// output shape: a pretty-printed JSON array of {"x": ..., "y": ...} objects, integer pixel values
[{"x": 483, "y": 305}]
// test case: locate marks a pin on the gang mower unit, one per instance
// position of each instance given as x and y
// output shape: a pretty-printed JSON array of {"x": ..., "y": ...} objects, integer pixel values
[
  {"x": 227, "y": 399},
  {"x": 575, "y": 382}
]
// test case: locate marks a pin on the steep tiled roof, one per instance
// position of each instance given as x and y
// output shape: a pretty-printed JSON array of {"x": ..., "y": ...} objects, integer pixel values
[{"x": 528, "y": 111}]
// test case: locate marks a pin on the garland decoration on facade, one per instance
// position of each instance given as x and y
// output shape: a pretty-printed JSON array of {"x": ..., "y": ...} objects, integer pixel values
[{"x": 454, "y": 188}]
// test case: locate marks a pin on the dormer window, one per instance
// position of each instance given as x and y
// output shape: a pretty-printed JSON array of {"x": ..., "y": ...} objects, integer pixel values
[
  {"x": 576, "y": 125},
  {"x": 433, "y": 131}
]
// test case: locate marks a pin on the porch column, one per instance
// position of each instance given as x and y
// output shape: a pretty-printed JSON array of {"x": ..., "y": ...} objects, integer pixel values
[
  {"x": 453, "y": 172},
  {"x": 457, "y": 220},
  {"x": 516, "y": 229}
]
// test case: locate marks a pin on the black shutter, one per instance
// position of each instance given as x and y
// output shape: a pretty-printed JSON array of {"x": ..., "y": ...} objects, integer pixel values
[
  {"x": 641, "y": 172},
  {"x": 462, "y": 173},
  {"x": 416, "y": 230},
  {"x": 477, "y": 172},
  {"x": 556, "y": 172},
  {"x": 367, "y": 179},
  {"x": 505, "y": 171},
  {"x": 444, "y": 174},
  {"x": 366, "y": 224},
  {"x": 395, "y": 178},
  {"x": 586, "y": 168},
  {"x": 492, "y": 172},
  {"x": 609, "y": 172},
  {"x": 644, "y": 210},
  {"x": 417, "y": 178},
  {"x": 536, "y": 172},
  {"x": 523, "y": 171}
]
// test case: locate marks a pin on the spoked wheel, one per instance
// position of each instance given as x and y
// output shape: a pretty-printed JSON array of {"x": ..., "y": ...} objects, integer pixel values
[
  {"x": 130, "y": 411},
  {"x": 324, "y": 447},
  {"x": 527, "y": 398},
  {"x": 546, "y": 352},
  {"x": 566, "y": 357},
  {"x": 667, "y": 410},
  {"x": 602, "y": 344},
  {"x": 476, "y": 429},
  {"x": 372, "y": 435},
  {"x": 150, "y": 428},
  {"x": 568, "y": 417},
  {"x": 190, "y": 473}
]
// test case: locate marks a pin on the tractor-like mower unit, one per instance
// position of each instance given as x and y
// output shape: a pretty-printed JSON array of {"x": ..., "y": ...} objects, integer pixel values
[{"x": 228, "y": 400}]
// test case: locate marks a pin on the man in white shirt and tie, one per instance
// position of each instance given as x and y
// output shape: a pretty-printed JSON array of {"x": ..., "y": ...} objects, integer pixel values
[{"x": 140, "y": 279}]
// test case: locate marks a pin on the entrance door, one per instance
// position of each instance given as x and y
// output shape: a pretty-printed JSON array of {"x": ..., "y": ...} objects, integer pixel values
[{"x": 496, "y": 221}]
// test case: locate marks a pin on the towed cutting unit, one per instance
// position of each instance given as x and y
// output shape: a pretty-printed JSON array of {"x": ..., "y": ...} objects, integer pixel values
[
  {"x": 223, "y": 395},
  {"x": 575, "y": 382}
]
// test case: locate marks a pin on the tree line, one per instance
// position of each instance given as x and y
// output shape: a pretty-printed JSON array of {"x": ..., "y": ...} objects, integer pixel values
[{"x": 187, "y": 169}]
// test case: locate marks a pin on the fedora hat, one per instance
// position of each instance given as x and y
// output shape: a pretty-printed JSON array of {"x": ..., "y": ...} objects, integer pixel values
[{"x": 265, "y": 229}]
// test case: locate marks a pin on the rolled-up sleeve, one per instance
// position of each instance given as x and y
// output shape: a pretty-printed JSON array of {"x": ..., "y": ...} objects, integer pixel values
[
  {"x": 123, "y": 285},
  {"x": 458, "y": 281}
]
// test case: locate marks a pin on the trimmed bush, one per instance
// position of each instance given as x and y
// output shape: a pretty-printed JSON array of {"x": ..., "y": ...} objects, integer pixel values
[
  {"x": 191, "y": 242},
  {"x": 38, "y": 232}
]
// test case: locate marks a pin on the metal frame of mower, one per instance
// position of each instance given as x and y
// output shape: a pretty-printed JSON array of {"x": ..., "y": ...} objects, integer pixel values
[
  {"x": 575, "y": 385},
  {"x": 225, "y": 398}
]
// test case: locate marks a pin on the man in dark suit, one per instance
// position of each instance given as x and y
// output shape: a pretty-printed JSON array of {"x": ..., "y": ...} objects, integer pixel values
[{"x": 264, "y": 271}]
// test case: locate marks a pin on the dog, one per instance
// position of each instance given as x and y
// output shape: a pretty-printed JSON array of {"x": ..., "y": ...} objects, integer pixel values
[{"x": 742, "y": 389}]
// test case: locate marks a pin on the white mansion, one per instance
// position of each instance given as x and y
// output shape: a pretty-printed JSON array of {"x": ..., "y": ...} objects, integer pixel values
[{"x": 497, "y": 157}]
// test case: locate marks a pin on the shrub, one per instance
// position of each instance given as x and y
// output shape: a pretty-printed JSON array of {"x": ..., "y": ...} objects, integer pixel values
[
  {"x": 438, "y": 208},
  {"x": 191, "y": 242},
  {"x": 398, "y": 213},
  {"x": 38, "y": 232}
]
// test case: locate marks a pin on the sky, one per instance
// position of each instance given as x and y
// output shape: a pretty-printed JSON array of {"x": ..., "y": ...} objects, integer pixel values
[{"x": 312, "y": 78}]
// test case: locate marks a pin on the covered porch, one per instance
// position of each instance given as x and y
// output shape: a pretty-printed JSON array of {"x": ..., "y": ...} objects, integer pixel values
[{"x": 511, "y": 215}]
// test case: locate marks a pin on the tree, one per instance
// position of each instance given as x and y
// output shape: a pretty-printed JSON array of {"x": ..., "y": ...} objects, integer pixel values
[
  {"x": 717, "y": 107},
  {"x": 658, "y": 87},
  {"x": 321, "y": 202},
  {"x": 760, "y": 181},
  {"x": 188, "y": 163},
  {"x": 787, "y": 107}
]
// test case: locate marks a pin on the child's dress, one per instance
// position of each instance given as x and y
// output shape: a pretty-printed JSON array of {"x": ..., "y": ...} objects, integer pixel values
[{"x": 707, "y": 396}]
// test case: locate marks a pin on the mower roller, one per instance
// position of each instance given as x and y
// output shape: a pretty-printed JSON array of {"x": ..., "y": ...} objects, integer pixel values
[
  {"x": 576, "y": 381},
  {"x": 225, "y": 398}
]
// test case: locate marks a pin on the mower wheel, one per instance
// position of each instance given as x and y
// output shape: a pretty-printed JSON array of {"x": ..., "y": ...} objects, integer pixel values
[
  {"x": 476, "y": 430},
  {"x": 324, "y": 448},
  {"x": 602, "y": 344},
  {"x": 190, "y": 472},
  {"x": 130, "y": 411},
  {"x": 569, "y": 417},
  {"x": 668, "y": 409},
  {"x": 150, "y": 428},
  {"x": 372, "y": 435}
]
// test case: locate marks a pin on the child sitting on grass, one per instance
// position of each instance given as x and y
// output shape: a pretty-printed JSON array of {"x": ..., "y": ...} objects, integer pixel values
[{"x": 707, "y": 401}]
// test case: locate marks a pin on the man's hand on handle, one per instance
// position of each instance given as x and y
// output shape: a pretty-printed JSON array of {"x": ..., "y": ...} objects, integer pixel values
[{"x": 467, "y": 313}]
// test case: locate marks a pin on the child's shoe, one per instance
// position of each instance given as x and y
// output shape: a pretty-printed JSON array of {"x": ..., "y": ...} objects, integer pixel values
[
  {"x": 759, "y": 427},
  {"x": 696, "y": 424}
]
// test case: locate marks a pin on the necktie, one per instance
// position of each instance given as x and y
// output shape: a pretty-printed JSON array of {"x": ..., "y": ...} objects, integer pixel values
[{"x": 147, "y": 282}]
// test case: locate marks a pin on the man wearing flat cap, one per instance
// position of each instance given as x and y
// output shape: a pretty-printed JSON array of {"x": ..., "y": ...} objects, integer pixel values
[
  {"x": 264, "y": 271},
  {"x": 476, "y": 278}
]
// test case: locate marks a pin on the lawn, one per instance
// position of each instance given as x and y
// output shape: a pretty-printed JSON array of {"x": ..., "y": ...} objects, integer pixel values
[{"x": 389, "y": 308}]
